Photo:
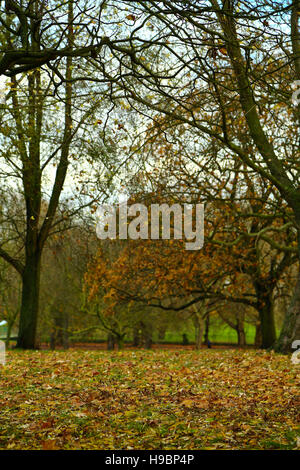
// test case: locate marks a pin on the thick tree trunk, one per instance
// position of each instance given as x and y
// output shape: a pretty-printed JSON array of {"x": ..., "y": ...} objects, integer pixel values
[
  {"x": 268, "y": 332},
  {"x": 120, "y": 342},
  {"x": 110, "y": 342},
  {"x": 199, "y": 330},
  {"x": 136, "y": 337},
  {"x": 290, "y": 331},
  {"x": 266, "y": 313},
  {"x": 146, "y": 335},
  {"x": 29, "y": 303},
  {"x": 241, "y": 334},
  {"x": 161, "y": 333},
  {"x": 147, "y": 339},
  {"x": 53, "y": 339},
  {"x": 258, "y": 338},
  {"x": 198, "y": 339}
]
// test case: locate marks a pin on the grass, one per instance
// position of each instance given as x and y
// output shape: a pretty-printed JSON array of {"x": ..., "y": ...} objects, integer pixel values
[
  {"x": 218, "y": 333},
  {"x": 208, "y": 399}
]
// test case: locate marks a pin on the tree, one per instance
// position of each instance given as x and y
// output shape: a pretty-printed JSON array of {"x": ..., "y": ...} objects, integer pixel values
[
  {"x": 256, "y": 47},
  {"x": 235, "y": 265},
  {"x": 29, "y": 145},
  {"x": 33, "y": 149},
  {"x": 259, "y": 220}
]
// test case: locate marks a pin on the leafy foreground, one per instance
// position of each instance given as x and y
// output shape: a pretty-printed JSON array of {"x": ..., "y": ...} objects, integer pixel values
[{"x": 210, "y": 399}]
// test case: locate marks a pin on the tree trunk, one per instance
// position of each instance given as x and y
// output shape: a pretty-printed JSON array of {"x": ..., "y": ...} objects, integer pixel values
[
  {"x": 264, "y": 293},
  {"x": 148, "y": 342},
  {"x": 290, "y": 331},
  {"x": 53, "y": 339},
  {"x": 120, "y": 342},
  {"x": 258, "y": 337},
  {"x": 8, "y": 334},
  {"x": 136, "y": 337},
  {"x": 110, "y": 342},
  {"x": 206, "y": 334},
  {"x": 199, "y": 330},
  {"x": 29, "y": 302},
  {"x": 241, "y": 335},
  {"x": 161, "y": 333},
  {"x": 65, "y": 333},
  {"x": 268, "y": 332},
  {"x": 147, "y": 338},
  {"x": 60, "y": 333},
  {"x": 146, "y": 333}
]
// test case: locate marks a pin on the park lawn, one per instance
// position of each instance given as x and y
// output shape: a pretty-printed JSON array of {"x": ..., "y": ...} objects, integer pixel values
[
  {"x": 208, "y": 399},
  {"x": 218, "y": 333}
]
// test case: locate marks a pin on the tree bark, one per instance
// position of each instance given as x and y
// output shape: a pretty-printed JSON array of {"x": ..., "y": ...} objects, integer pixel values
[
  {"x": 65, "y": 333},
  {"x": 8, "y": 334},
  {"x": 207, "y": 324},
  {"x": 136, "y": 337},
  {"x": 264, "y": 293},
  {"x": 30, "y": 302},
  {"x": 161, "y": 333},
  {"x": 199, "y": 330},
  {"x": 147, "y": 338},
  {"x": 241, "y": 335},
  {"x": 290, "y": 331},
  {"x": 258, "y": 337},
  {"x": 268, "y": 332},
  {"x": 52, "y": 340},
  {"x": 110, "y": 342},
  {"x": 120, "y": 342}
]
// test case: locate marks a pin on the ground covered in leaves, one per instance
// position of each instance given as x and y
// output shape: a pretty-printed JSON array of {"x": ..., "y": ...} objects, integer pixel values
[{"x": 209, "y": 399}]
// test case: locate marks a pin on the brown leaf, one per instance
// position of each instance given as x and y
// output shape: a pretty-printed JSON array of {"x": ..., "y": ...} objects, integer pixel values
[
  {"x": 131, "y": 17},
  {"x": 223, "y": 50},
  {"x": 49, "y": 444}
]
